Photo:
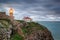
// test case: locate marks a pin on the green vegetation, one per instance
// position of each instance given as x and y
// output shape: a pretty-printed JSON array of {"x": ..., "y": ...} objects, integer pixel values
[
  {"x": 8, "y": 20},
  {"x": 4, "y": 23},
  {"x": 16, "y": 37},
  {"x": 20, "y": 21},
  {"x": 31, "y": 25},
  {"x": 26, "y": 29}
]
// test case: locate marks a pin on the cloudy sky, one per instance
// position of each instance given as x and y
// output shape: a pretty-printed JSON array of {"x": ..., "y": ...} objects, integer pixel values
[{"x": 38, "y": 10}]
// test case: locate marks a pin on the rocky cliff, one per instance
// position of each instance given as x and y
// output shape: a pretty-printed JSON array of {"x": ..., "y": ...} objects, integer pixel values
[
  {"x": 20, "y": 30},
  {"x": 35, "y": 31}
]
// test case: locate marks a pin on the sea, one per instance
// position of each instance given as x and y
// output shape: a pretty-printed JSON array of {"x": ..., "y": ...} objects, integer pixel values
[{"x": 53, "y": 27}]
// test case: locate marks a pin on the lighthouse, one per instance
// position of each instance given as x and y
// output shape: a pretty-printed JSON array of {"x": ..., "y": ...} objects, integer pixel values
[{"x": 11, "y": 13}]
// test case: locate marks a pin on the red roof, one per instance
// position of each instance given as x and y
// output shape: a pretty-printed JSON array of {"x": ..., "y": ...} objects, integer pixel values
[{"x": 27, "y": 18}]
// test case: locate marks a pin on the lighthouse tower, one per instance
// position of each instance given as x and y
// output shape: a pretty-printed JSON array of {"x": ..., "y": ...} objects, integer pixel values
[{"x": 11, "y": 13}]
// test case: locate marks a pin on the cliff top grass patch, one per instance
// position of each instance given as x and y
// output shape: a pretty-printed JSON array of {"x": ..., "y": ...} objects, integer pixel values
[
  {"x": 30, "y": 26},
  {"x": 16, "y": 37}
]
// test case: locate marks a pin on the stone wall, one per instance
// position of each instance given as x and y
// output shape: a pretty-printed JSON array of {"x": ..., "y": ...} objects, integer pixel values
[{"x": 3, "y": 15}]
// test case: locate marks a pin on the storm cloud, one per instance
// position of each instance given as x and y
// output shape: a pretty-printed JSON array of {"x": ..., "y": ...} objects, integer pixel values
[{"x": 38, "y": 10}]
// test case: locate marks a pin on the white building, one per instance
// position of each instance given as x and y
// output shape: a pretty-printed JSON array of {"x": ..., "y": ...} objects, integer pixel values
[{"x": 27, "y": 19}]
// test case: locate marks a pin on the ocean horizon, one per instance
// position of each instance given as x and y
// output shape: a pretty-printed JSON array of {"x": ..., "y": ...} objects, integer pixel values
[{"x": 53, "y": 27}]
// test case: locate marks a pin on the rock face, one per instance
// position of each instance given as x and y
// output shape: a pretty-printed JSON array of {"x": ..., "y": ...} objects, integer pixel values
[
  {"x": 39, "y": 35},
  {"x": 28, "y": 30},
  {"x": 5, "y": 30},
  {"x": 37, "y": 32},
  {"x": 17, "y": 27}
]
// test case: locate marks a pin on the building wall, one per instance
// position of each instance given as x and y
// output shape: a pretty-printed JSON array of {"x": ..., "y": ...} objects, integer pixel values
[
  {"x": 27, "y": 20},
  {"x": 3, "y": 15}
]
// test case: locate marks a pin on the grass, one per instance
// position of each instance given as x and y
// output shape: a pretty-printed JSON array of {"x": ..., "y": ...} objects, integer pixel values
[
  {"x": 16, "y": 37},
  {"x": 31, "y": 25},
  {"x": 38, "y": 26},
  {"x": 4, "y": 23},
  {"x": 27, "y": 29},
  {"x": 20, "y": 21}
]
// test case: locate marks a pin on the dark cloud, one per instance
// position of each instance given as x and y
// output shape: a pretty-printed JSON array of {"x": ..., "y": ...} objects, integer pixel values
[
  {"x": 17, "y": 1},
  {"x": 36, "y": 7},
  {"x": 56, "y": 0}
]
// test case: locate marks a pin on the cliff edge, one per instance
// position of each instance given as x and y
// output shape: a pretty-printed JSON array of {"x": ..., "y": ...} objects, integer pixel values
[
  {"x": 35, "y": 31},
  {"x": 20, "y": 30}
]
